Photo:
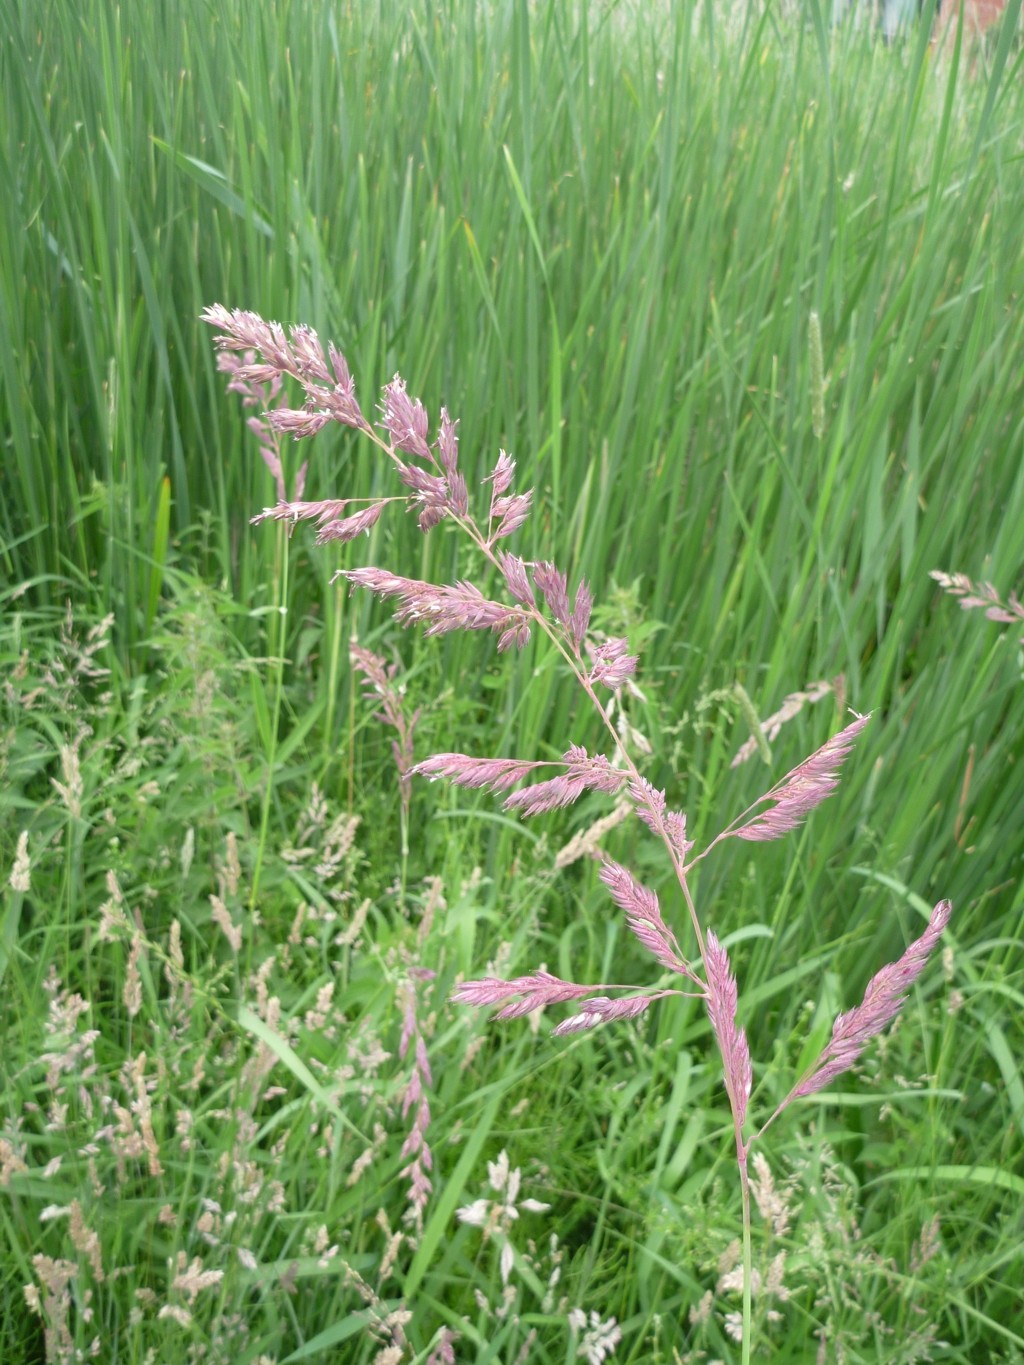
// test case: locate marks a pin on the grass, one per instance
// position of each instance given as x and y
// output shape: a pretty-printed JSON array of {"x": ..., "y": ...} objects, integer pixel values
[{"x": 598, "y": 237}]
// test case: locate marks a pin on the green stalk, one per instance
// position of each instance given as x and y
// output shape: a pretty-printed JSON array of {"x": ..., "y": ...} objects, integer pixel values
[{"x": 277, "y": 635}]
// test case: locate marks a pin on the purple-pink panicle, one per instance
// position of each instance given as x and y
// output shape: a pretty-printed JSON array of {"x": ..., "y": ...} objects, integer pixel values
[
  {"x": 803, "y": 788},
  {"x": 496, "y": 774},
  {"x": 535, "y": 991},
  {"x": 442, "y": 609},
  {"x": 883, "y": 999},
  {"x": 643, "y": 917},
  {"x": 981, "y": 597},
  {"x": 732, "y": 1041},
  {"x": 600, "y": 1009},
  {"x": 513, "y": 570},
  {"x": 257, "y": 356},
  {"x": 612, "y": 663},
  {"x": 552, "y": 584},
  {"x": 405, "y": 419}
]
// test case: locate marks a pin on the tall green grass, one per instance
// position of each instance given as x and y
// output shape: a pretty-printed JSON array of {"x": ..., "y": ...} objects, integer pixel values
[{"x": 598, "y": 236}]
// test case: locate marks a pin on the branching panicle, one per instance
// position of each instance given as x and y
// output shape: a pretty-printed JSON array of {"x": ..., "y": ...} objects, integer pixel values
[
  {"x": 732, "y": 1041},
  {"x": 405, "y": 420},
  {"x": 257, "y": 356},
  {"x": 802, "y": 789},
  {"x": 981, "y": 597},
  {"x": 883, "y": 1000}
]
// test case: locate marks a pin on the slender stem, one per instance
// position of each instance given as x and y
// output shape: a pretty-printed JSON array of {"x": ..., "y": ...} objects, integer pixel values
[
  {"x": 278, "y": 652},
  {"x": 338, "y": 617},
  {"x": 748, "y": 1267}
]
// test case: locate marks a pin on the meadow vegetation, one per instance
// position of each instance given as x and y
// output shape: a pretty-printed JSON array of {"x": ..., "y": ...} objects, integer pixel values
[{"x": 743, "y": 301}]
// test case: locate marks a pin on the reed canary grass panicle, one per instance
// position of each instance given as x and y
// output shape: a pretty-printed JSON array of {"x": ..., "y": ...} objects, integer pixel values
[
  {"x": 444, "y": 609},
  {"x": 583, "y": 773},
  {"x": 981, "y": 597},
  {"x": 494, "y": 774},
  {"x": 535, "y": 991},
  {"x": 405, "y": 420},
  {"x": 602, "y": 1010},
  {"x": 553, "y": 585},
  {"x": 732, "y": 1041},
  {"x": 612, "y": 664},
  {"x": 802, "y": 789},
  {"x": 508, "y": 512},
  {"x": 416, "y": 1146},
  {"x": 643, "y": 918},
  {"x": 500, "y": 479},
  {"x": 539, "y": 599},
  {"x": 883, "y": 1000},
  {"x": 380, "y": 682},
  {"x": 430, "y": 491},
  {"x": 513, "y": 570}
]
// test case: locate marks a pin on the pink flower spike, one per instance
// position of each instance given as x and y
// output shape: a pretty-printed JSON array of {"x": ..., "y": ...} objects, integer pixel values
[
  {"x": 309, "y": 354},
  {"x": 320, "y": 512},
  {"x": 537, "y": 990},
  {"x": 512, "y": 511},
  {"x": 442, "y": 609},
  {"x": 405, "y": 420},
  {"x": 544, "y": 796},
  {"x": 580, "y": 619},
  {"x": 643, "y": 917},
  {"x": 552, "y": 584},
  {"x": 496, "y": 774},
  {"x": 612, "y": 664},
  {"x": 501, "y": 477},
  {"x": 298, "y": 422},
  {"x": 883, "y": 1000},
  {"x": 447, "y": 443},
  {"x": 513, "y": 570},
  {"x": 732, "y": 1042},
  {"x": 601, "y": 1010},
  {"x": 582, "y": 773},
  {"x": 348, "y": 528},
  {"x": 429, "y": 490},
  {"x": 802, "y": 789}
]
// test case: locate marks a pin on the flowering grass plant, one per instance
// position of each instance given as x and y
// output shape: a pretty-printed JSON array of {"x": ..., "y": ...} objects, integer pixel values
[{"x": 536, "y": 597}]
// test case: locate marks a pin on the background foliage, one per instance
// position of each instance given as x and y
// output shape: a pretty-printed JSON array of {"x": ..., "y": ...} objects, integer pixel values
[{"x": 598, "y": 235}]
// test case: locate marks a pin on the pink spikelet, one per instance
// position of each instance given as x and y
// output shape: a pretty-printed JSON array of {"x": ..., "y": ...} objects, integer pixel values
[
  {"x": 416, "y": 1146},
  {"x": 534, "y": 991},
  {"x": 405, "y": 419},
  {"x": 649, "y": 802},
  {"x": 501, "y": 476},
  {"x": 883, "y": 1000},
  {"x": 333, "y": 398},
  {"x": 583, "y": 773},
  {"x": 732, "y": 1042},
  {"x": 496, "y": 774},
  {"x": 447, "y": 443},
  {"x": 552, "y": 584},
  {"x": 613, "y": 664},
  {"x": 643, "y": 917},
  {"x": 348, "y": 528},
  {"x": 603, "y": 1010},
  {"x": 443, "y": 609},
  {"x": 981, "y": 597},
  {"x": 802, "y": 789},
  {"x": 580, "y": 618},
  {"x": 513, "y": 570}
]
